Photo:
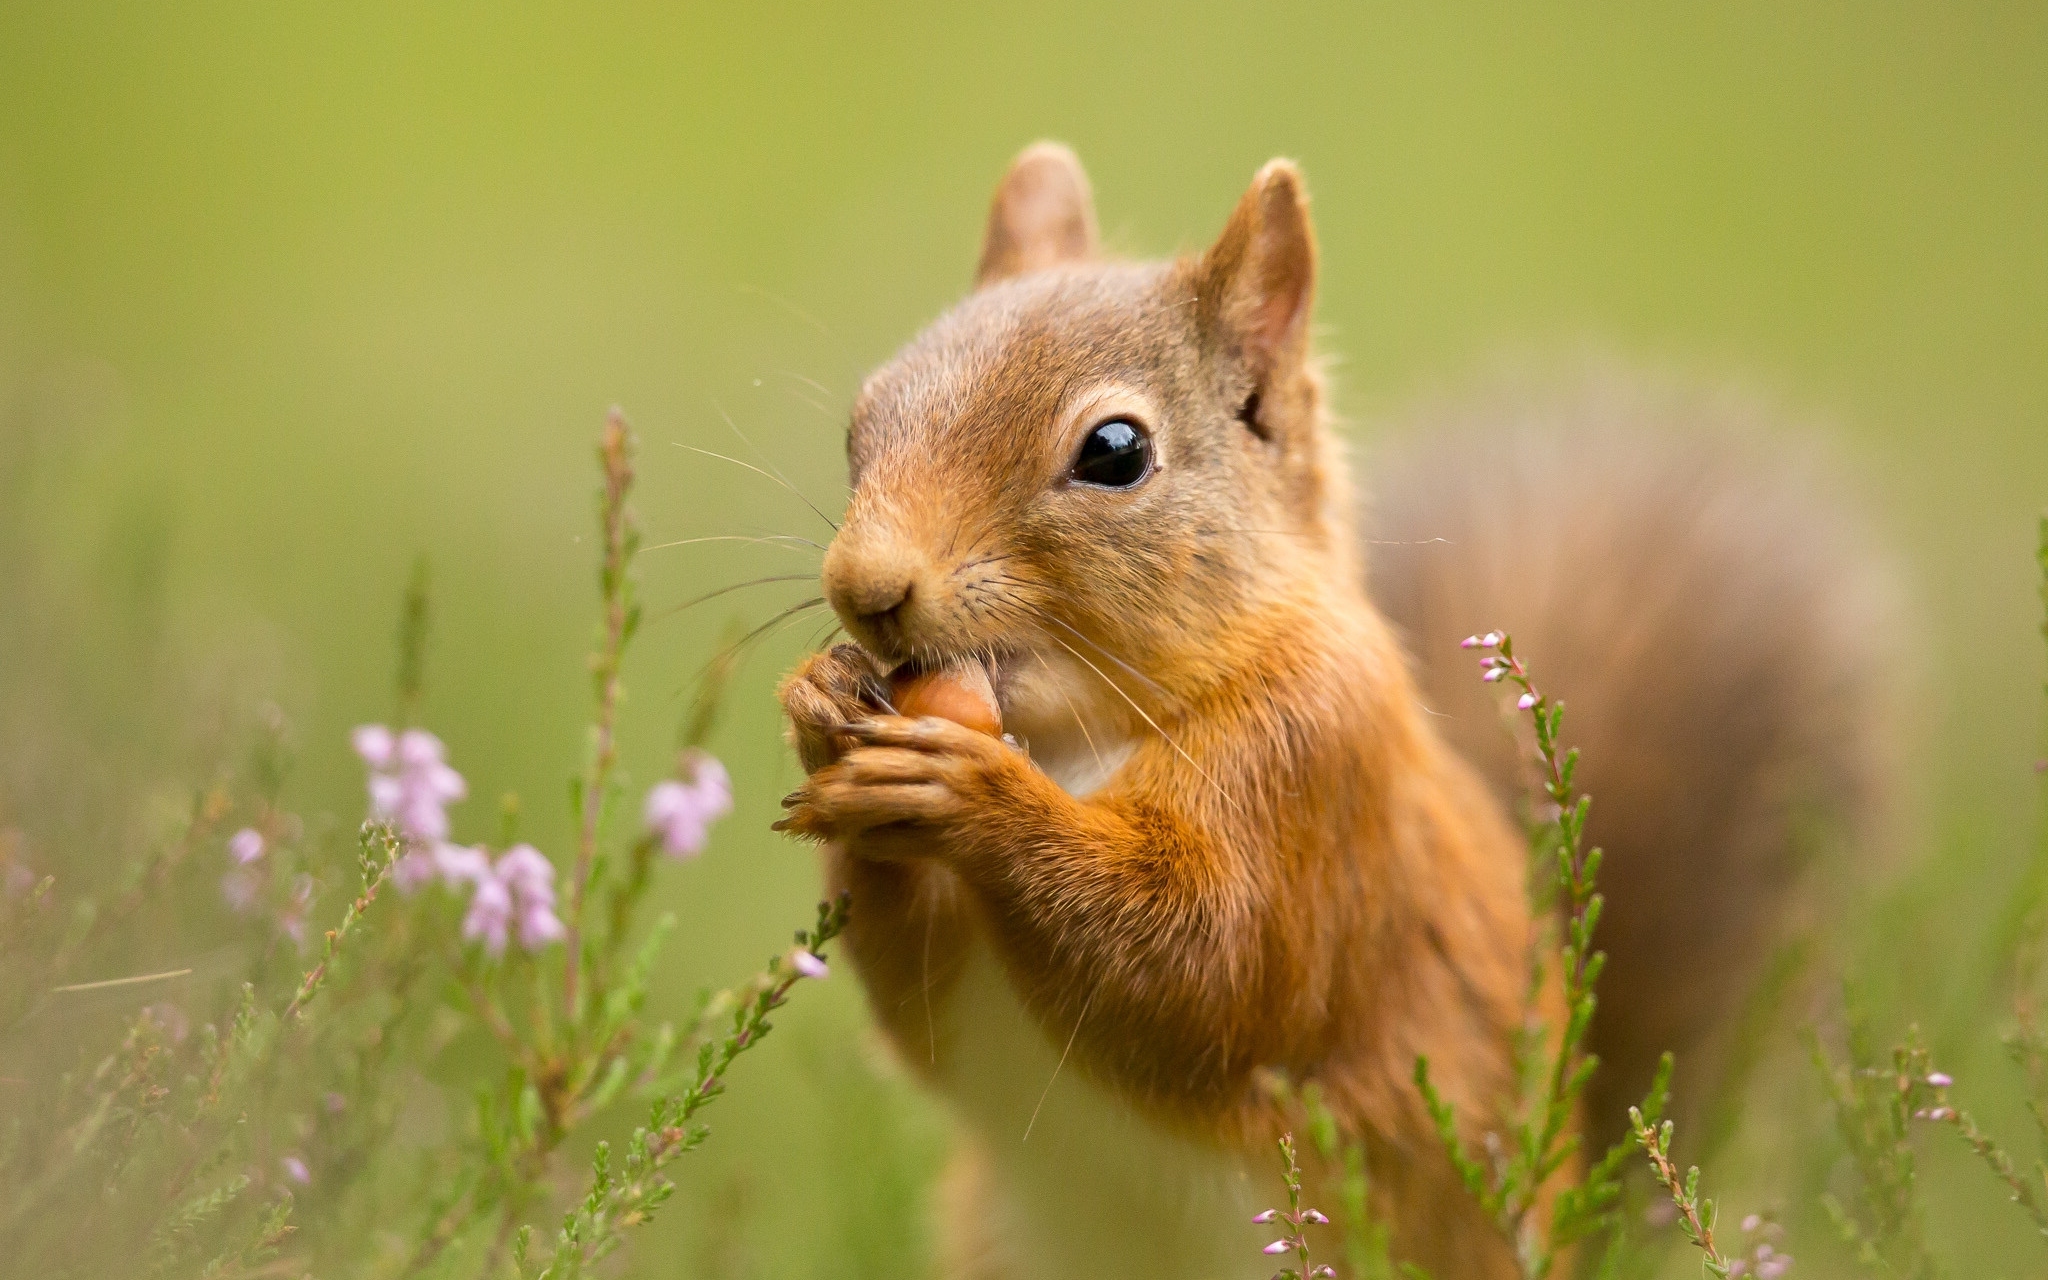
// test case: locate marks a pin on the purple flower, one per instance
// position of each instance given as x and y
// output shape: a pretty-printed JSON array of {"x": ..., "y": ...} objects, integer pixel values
[
  {"x": 246, "y": 845},
  {"x": 489, "y": 915},
  {"x": 1939, "y": 1079},
  {"x": 411, "y": 787},
  {"x": 296, "y": 1170},
  {"x": 681, "y": 812},
  {"x": 1752, "y": 1222},
  {"x": 518, "y": 890},
  {"x": 809, "y": 965},
  {"x": 1526, "y": 701},
  {"x": 373, "y": 743},
  {"x": 460, "y": 863},
  {"x": 1266, "y": 1216},
  {"x": 1279, "y": 1246},
  {"x": 1315, "y": 1216}
]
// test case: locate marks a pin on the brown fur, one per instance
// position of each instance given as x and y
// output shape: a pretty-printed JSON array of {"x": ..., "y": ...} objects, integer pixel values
[
  {"x": 1289, "y": 868},
  {"x": 1727, "y": 645}
]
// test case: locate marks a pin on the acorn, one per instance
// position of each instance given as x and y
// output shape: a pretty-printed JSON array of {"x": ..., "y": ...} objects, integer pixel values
[{"x": 961, "y": 693}]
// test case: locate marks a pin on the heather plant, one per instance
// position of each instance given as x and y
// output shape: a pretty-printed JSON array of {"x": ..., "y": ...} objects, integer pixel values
[
  {"x": 409, "y": 1039},
  {"x": 1297, "y": 1218},
  {"x": 1535, "y": 1159}
]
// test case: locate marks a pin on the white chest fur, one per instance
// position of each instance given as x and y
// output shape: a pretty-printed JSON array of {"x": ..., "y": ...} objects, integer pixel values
[{"x": 1080, "y": 1183}]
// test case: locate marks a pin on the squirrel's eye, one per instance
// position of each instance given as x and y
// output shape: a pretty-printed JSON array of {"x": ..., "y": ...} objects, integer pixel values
[{"x": 1116, "y": 455}]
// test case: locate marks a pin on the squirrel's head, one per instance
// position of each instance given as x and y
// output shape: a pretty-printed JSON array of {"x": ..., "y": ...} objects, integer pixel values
[{"x": 1114, "y": 458}]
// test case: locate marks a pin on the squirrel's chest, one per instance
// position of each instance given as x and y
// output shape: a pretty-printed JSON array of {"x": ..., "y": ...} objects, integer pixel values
[{"x": 1074, "y": 1181}]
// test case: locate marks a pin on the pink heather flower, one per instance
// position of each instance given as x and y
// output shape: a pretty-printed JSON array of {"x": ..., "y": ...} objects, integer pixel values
[
  {"x": 373, "y": 743},
  {"x": 459, "y": 863},
  {"x": 296, "y": 1170},
  {"x": 1493, "y": 673},
  {"x": 681, "y": 812},
  {"x": 1323, "y": 1271},
  {"x": 1266, "y": 1216},
  {"x": 1752, "y": 1222},
  {"x": 411, "y": 787},
  {"x": 1314, "y": 1216},
  {"x": 489, "y": 915},
  {"x": 1939, "y": 1079},
  {"x": 1279, "y": 1246},
  {"x": 519, "y": 889},
  {"x": 808, "y": 965},
  {"x": 414, "y": 868},
  {"x": 1526, "y": 701},
  {"x": 246, "y": 845},
  {"x": 1469, "y": 642}
]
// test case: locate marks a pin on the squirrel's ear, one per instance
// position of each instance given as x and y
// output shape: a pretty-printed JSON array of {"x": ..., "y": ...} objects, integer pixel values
[
  {"x": 1257, "y": 279},
  {"x": 1042, "y": 215}
]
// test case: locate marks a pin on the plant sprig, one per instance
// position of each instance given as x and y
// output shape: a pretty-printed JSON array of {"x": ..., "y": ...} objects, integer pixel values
[{"x": 1512, "y": 1181}]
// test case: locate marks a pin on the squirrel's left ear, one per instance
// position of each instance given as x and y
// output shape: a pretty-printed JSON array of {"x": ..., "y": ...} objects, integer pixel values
[
  {"x": 1043, "y": 215},
  {"x": 1256, "y": 281}
]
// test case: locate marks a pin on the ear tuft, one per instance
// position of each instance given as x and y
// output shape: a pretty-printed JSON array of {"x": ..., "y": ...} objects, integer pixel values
[
  {"x": 1043, "y": 215},
  {"x": 1257, "y": 280}
]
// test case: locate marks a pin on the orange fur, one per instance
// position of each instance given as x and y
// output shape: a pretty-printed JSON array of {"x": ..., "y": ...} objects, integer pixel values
[{"x": 1231, "y": 839}]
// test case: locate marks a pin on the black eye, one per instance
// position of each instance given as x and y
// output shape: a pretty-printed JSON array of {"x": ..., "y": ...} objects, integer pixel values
[{"x": 1116, "y": 455}]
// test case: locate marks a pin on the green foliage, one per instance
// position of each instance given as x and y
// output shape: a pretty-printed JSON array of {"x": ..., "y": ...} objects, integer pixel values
[
  {"x": 255, "y": 1124},
  {"x": 1551, "y": 1062}
]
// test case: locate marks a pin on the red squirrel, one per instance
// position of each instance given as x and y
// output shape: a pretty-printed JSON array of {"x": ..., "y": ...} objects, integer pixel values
[{"x": 1229, "y": 827}]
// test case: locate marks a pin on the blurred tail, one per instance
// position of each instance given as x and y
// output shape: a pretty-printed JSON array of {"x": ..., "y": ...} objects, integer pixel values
[{"x": 1722, "y": 643}]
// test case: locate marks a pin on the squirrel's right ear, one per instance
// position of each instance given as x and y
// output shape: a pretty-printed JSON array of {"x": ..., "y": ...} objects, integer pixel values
[
  {"x": 1257, "y": 280},
  {"x": 1043, "y": 215}
]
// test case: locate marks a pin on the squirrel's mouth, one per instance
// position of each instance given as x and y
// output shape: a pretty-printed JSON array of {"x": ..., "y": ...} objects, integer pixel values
[{"x": 992, "y": 666}]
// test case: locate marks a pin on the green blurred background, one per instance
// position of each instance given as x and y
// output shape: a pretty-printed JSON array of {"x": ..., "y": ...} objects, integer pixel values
[{"x": 289, "y": 294}]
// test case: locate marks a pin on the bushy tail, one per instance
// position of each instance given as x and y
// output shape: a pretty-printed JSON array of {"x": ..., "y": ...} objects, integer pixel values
[{"x": 1723, "y": 644}]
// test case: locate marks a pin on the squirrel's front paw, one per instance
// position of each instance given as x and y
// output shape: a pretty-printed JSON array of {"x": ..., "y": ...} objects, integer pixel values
[
  {"x": 923, "y": 773},
  {"x": 830, "y": 690}
]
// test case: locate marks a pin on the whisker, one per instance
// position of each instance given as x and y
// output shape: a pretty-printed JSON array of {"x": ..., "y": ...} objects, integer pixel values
[
  {"x": 1149, "y": 720},
  {"x": 817, "y": 645},
  {"x": 812, "y": 383},
  {"x": 727, "y": 654},
  {"x": 789, "y": 537},
  {"x": 769, "y": 462},
  {"x": 784, "y": 538},
  {"x": 1029, "y": 1124},
  {"x": 819, "y": 405},
  {"x": 751, "y": 582},
  {"x": 1079, "y": 723},
  {"x": 1075, "y": 632},
  {"x": 763, "y": 474},
  {"x": 845, "y": 352}
]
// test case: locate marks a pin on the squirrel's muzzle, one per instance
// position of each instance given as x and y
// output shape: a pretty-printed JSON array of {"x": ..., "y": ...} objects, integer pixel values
[{"x": 873, "y": 583}]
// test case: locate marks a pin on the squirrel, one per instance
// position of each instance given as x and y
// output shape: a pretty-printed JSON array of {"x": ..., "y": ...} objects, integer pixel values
[{"x": 1232, "y": 827}]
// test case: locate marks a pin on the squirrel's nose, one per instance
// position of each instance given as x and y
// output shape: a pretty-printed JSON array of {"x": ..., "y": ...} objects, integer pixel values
[
  {"x": 869, "y": 583},
  {"x": 876, "y": 599}
]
